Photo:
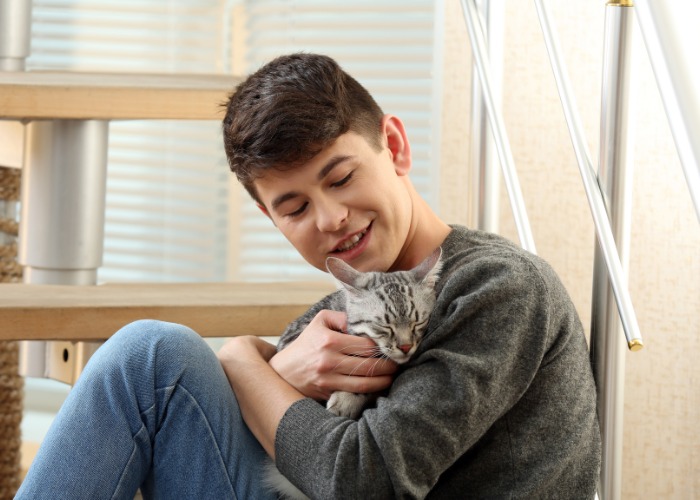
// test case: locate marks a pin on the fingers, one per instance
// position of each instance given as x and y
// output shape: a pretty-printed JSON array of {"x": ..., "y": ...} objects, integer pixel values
[
  {"x": 349, "y": 354},
  {"x": 322, "y": 360},
  {"x": 361, "y": 363},
  {"x": 333, "y": 320},
  {"x": 361, "y": 385}
]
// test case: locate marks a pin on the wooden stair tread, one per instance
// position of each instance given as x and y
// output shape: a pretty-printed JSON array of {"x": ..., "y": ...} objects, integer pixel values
[
  {"x": 37, "y": 95},
  {"x": 61, "y": 312}
]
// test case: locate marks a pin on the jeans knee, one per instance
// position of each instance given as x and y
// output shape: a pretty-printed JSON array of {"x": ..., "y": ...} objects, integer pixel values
[
  {"x": 151, "y": 346},
  {"x": 146, "y": 337},
  {"x": 156, "y": 329}
]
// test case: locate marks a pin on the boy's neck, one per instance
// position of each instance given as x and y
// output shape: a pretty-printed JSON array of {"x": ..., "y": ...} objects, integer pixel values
[{"x": 427, "y": 232}]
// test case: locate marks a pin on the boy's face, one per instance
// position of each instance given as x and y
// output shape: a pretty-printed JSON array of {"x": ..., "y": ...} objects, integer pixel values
[{"x": 349, "y": 201}]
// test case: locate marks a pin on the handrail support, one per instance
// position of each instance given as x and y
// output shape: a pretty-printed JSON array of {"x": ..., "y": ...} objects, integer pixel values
[
  {"x": 615, "y": 167},
  {"x": 505, "y": 155},
  {"x": 590, "y": 184}
]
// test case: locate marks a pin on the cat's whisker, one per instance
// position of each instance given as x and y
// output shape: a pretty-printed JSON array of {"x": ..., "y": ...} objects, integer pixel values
[
  {"x": 378, "y": 360},
  {"x": 377, "y": 357},
  {"x": 360, "y": 353},
  {"x": 381, "y": 358},
  {"x": 354, "y": 348},
  {"x": 345, "y": 360},
  {"x": 357, "y": 368},
  {"x": 368, "y": 353}
]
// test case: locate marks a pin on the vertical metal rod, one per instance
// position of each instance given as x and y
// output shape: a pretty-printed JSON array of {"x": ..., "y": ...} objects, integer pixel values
[
  {"x": 678, "y": 91},
  {"x": 15, "y": 29},
  {"x": 62, "y": 225},
  {"x": 615, "y": 179},
  {"x": 485, "y": 175},
  {"x": 590, "y": 184},
  {"x": 476, "y": 36}
]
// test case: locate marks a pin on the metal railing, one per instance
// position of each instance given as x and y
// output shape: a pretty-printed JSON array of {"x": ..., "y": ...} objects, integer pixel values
[
  {"x": 678, "y": 91},
  {"x": 607, "y": 190},
  {"x": 590, "y": 182},
  {"x": 485, "y": 177},
  {"x": 510, "y": 176}
]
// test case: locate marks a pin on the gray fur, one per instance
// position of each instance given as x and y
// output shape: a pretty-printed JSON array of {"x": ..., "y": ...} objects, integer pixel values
[{"x": 392, "y": 309}]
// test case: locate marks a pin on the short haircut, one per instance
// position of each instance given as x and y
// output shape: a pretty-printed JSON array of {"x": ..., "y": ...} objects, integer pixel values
[{"x": 289, "y": 110}]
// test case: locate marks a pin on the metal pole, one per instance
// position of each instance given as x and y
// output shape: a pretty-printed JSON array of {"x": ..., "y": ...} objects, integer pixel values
[
  {"x": 476, "y": 36},
  {"x": 486, "y": 181},
  {"x": 15, "y": 29},
  {"x": 590, "y": 183},
  {"x": 615, "y": 179},
  {"x": 62, "y": 203},
  {"x": 678, "y": 91},
  {"x": 62, "y": 225}
]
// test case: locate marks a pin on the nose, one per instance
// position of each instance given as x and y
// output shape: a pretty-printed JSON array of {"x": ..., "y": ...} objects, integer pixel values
[
  {"x": 330, "y": 215},
  {"x": 405, "y": 348}
]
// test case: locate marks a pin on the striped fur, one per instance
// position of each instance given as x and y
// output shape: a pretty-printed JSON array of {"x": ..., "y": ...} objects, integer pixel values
[{"x": 392, "y": 309}]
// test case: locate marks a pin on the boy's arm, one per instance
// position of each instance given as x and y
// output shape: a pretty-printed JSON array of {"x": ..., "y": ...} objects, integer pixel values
[
  {"x": 319, "y": 362},
  {"x": 263, "y": 396}
]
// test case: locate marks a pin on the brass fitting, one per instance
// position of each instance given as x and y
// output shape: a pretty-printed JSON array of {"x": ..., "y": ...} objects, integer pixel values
[{"x": 635, "y": 345}]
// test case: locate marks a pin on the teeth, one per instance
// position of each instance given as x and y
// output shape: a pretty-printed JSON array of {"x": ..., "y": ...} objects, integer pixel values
[{"x": 351, "y": 242}]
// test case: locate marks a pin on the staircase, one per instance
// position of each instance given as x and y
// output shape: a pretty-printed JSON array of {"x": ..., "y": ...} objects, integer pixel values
[{"x": 59, "y": 307}]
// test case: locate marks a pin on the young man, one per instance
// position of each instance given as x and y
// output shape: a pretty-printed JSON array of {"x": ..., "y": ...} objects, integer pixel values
[{"x": 498, "y": 401}]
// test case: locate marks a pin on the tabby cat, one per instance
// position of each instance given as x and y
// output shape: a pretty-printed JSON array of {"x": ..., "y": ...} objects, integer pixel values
[{"x": 392, "y": 309}]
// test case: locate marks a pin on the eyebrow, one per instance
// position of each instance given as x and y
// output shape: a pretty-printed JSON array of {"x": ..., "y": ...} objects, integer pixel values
[
  {"x": 327, "y": 169},
  {"x": 332, "y": 163}
]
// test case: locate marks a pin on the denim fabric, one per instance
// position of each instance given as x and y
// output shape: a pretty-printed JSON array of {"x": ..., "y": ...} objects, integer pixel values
[{"x": 153, "y": 409}]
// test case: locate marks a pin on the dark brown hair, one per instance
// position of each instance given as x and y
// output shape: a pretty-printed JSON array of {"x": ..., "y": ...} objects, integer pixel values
[{"x": 286, "y": 112}]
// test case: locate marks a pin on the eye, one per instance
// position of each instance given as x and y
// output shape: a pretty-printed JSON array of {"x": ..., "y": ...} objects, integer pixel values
[
  {"x": 297, "y": 212},
  {"x": 343, "y": 181},
  {"x": 386, "y": 329},
  {"x": 420, "y": 324}
]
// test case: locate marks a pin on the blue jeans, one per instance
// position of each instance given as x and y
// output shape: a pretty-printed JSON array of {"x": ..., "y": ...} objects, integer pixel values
[{"x": 152, "y": 410}]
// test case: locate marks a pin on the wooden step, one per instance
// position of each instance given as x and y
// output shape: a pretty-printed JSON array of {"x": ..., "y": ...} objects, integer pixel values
[
  {"x": 36, "y": 95},
  {"x": 60, "y": 312}
]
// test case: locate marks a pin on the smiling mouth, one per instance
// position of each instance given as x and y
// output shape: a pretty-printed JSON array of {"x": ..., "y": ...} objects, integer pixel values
[{"x": 351, "y": 242}]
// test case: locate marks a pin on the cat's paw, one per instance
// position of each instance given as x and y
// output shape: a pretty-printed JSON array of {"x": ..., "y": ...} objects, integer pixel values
[
  {"x": 277, "y": 483},
  {"x": 347, "y": 404}
]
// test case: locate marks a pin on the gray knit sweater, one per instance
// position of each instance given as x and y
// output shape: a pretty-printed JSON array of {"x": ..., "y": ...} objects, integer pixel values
[{"x": 498, "y": 402}]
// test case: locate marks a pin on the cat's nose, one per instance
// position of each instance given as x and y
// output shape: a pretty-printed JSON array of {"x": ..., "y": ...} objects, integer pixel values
[{"x": 405, "y": 348}]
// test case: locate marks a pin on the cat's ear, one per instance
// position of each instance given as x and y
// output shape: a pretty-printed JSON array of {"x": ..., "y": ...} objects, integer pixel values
[
  {"x": 344, "y": 274},
  {"x": 428, "y": 271}
]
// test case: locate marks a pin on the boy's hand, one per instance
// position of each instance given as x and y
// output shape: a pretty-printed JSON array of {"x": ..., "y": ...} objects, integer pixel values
[{"x": 322, "y": 360}]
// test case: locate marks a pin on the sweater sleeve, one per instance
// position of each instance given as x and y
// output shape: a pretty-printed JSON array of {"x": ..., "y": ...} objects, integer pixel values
[{"x": 487, "y": 338}]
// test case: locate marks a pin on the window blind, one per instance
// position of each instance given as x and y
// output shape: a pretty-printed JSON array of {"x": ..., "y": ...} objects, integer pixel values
[
  {"x": 167, "y": 194},
  {"x": 393, "y": 48},
  {"x": 167, "y": 180}
]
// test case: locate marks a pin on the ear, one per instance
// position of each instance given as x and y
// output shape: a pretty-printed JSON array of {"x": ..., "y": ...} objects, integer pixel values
[
  {"x": 345, "y": 276},
  {"x": 394, "y": 133},
  {"x": 428, "y": 271}
]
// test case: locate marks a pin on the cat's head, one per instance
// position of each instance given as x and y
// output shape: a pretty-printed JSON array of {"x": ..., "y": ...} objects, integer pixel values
[{"x": 392, "y": 309}]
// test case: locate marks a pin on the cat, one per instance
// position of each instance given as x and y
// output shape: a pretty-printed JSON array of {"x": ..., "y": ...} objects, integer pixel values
[{"x": 392, "y": 309}]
